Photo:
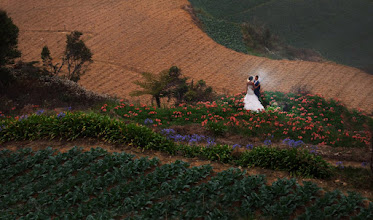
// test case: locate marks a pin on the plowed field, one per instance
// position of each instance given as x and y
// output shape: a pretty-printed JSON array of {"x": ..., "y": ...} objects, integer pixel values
[{"x": 132, "y": 36}]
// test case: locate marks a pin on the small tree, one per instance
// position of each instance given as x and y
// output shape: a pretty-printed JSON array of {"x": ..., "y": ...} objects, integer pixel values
[
  {"x": 154, "y": 85},
  {"x": 168, "y": 83},
  {"x": 171, "y": 83},
  {"x": 77, "y": 57},
  {"x": 199, "y": 92}
]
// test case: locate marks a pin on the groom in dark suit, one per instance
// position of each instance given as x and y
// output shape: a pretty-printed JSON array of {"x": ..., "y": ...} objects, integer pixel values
[{"x": 257, "y": 87}]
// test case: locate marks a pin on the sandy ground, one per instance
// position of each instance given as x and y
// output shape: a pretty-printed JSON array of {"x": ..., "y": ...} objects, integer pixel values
[{"x": 132, "y": 36}]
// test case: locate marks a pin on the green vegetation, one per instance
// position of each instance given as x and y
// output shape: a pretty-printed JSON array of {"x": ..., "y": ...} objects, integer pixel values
[
  {"x": 338, "y": 29},
  {"x": 172, "y": 84},
  {"x": 8, "y": 40},
  {"x": 309, "y": 118},
  {"x": 8, "y": 48},
  {"x": 97, "y": 184},
  {"x": 71, "y": 126}
]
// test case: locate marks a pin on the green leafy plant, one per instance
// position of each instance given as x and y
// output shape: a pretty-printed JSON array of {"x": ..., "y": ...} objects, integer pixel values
[{"x": 297, "y": 162}]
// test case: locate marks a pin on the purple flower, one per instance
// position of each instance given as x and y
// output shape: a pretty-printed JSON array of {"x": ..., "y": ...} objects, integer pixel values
[
  {"x": 148, "y": 121},
  {"x": 267, "y": 142},
  {"x": 23, "y": 117},
  {"x": 40, "y": 112},
  {"x": 61, "y": 115},
  {"x": 340, "y": 165},
  {"x": 249, "y": 146},
  {"x": 167, "y": 131},
  {"x": 364, "y": 164},
  {"x": 236, "y": 145},
  {"x": 285, "y": 141}
]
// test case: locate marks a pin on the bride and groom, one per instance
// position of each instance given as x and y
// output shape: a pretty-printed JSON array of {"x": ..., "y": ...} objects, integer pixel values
[{"x": 251, "y": 99}]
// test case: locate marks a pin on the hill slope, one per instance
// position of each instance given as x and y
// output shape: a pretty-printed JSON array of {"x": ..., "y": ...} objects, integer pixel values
[
  {"x": 128, "y": 37},
  {"x": 339, "y": 29}
]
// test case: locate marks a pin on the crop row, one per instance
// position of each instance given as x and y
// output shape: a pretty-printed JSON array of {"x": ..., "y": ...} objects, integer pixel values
[
  {"x": 79, "y": 125},
  {"x": 97, "y": 184}
]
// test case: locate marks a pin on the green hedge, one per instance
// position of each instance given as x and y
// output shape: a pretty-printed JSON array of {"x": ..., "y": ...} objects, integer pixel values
[
  {"x": 297, "y": 162},
  {"x": 71, "y": 126}
]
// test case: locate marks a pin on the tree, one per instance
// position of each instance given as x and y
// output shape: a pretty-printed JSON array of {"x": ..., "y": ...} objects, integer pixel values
[
  {"x": 77, "y": 57},
  {"x": 168, "y": 83},
  {"x": 8, "y": 40},
  {"x": 177, "y": 85},
  {"x": 199, "y": 92},
  {"x": 8, "y": 48},
  {"x": 47, "y": 62},
  {"x": 154, "y": 85},
  {"x": 172, "y": 84}
]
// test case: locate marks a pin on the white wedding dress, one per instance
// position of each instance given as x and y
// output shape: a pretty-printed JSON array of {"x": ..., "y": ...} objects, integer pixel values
[{"x": 251, "y": 101}]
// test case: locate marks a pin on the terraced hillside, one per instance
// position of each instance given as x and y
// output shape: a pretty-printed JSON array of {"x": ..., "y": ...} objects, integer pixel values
[{"x": 128, "y": 37}]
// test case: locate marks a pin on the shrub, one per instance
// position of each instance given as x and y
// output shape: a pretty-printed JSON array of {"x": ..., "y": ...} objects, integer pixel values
[
  {"x": 218, "y": 128},
  {"x": 297, "y": 162}
]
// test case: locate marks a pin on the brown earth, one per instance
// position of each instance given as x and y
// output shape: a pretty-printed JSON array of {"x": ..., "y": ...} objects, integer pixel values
[{"x": 132, "y": 36}]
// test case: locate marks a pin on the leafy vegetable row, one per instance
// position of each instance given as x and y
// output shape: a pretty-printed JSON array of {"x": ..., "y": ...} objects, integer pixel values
[{"x": 97, "y": 184}]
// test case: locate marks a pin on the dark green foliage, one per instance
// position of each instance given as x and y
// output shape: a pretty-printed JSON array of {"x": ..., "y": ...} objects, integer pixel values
[
  {"x": 297, "y": 162},
  {"x": 77, "y": 56},
  {"x": 258, "y": 37},
  {"x": 8, "y": 40},
  {"x": 71, "y": 126},
  {"x": 100, "y": 185},
  {"x": 217, "y": 129},
  {"x": 154, "y": 85},
  {"x": 198, "y": 92},
  {"x": 172, "y": 84},
  {"x": 333, "y": 28},
  {"x": 46, "y": 56},
  {"x": 8, "y": 48}
]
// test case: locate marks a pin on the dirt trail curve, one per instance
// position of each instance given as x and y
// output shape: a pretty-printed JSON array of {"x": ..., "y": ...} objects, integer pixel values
[{"x": 132, "y": 36}]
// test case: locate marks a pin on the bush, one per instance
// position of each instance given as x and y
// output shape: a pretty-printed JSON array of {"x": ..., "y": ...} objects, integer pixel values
[
  {"x": 297, "y": 162},
  {"x": 218, "y": 128}
]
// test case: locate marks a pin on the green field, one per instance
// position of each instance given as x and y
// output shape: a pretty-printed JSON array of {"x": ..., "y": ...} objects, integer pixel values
[
  {"x": 341, "y": 30},
  {"x": 101, "y": 185}
]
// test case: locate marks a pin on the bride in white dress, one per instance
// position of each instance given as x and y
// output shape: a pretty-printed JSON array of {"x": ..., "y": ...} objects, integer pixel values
[{"x": 251, "y": 100}]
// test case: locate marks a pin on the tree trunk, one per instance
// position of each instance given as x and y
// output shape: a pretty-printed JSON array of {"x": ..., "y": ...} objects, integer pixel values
[{"x": 158, "y": 100}]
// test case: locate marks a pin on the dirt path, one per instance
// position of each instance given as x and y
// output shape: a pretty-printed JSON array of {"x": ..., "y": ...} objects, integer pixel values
[
  {"x": 128, "y": 37},
  {"x": 87, "y": 144}
]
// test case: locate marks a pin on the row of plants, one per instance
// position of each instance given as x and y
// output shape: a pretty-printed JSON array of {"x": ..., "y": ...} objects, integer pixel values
[
  {"x": 71, "y": 126},
  {"x": 309, "y": 118},
  {"x": 97, "y": 184}
]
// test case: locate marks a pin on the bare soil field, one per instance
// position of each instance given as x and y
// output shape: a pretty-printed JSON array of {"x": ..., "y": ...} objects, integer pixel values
[{"x": 132, "y": 36}]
